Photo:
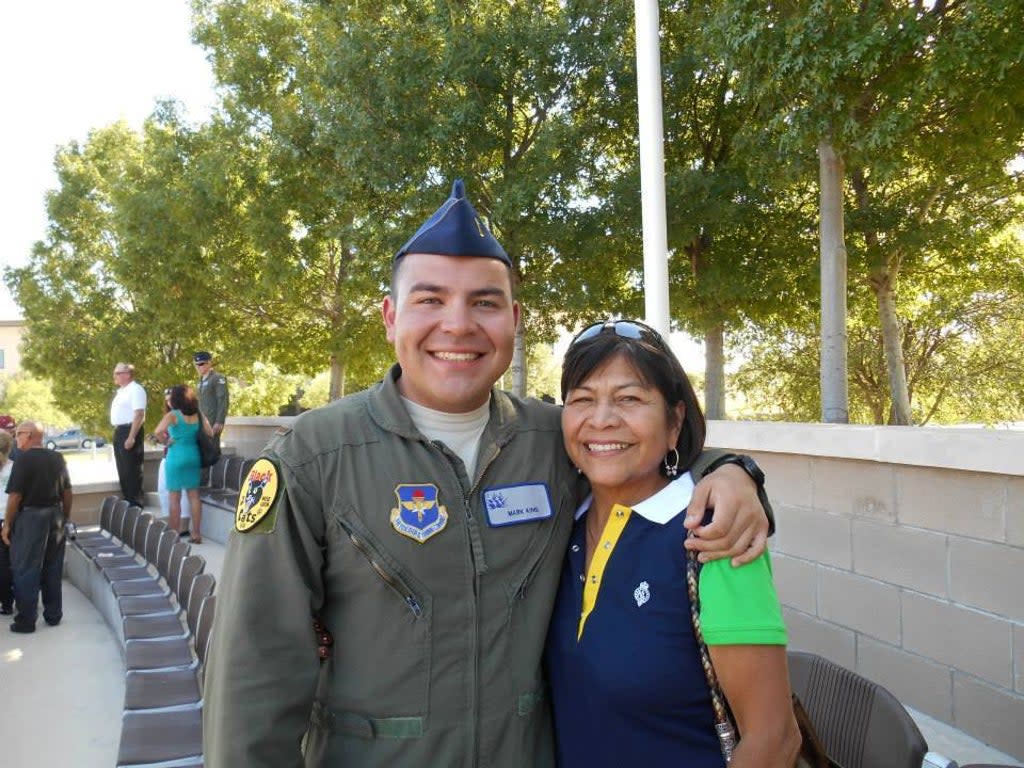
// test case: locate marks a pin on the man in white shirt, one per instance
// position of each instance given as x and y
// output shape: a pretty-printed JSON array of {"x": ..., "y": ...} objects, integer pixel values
[{"x": 127, "y": 414}]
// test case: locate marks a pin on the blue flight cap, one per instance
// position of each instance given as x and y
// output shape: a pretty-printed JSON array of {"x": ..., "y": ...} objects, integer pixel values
[{"x": 455, "y": 229}]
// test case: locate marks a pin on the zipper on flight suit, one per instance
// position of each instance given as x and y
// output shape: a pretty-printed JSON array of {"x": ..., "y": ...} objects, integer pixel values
[{"x": 392, "y": 580}]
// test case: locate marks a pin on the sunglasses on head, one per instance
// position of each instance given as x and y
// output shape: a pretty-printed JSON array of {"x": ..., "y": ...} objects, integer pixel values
[{"x": 627, "y": 329}]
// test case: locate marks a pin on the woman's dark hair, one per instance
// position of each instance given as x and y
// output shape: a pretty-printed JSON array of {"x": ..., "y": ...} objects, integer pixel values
[
  {"x": 183, "y": 398},
  {"x": 657, "y": 367}
]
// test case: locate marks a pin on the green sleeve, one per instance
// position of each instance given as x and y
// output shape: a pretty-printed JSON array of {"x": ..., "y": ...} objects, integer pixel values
[
  {"x": 263, "y": 666},
  {"x": 739, "y": 606}
]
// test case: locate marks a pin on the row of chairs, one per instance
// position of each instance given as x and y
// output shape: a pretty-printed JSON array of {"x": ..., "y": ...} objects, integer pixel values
[{"x": 165, "y": 606}]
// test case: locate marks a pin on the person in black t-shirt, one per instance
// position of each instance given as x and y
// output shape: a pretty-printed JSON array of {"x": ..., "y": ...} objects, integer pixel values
[{"x": 38, "y": 504}]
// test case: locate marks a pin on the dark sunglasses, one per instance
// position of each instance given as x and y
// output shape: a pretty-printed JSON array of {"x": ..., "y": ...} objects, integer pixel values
[{"x": 627, "y": 329}]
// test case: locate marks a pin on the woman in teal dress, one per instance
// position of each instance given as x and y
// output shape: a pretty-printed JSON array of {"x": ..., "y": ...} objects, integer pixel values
[{"x": 179, "y": 430}]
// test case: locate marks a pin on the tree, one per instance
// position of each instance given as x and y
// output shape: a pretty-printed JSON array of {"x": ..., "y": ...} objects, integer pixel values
[
  {"x": 24, "y": 396},
  {"x": 918, "y": 101},
  {"x": 959, "y": 329}
]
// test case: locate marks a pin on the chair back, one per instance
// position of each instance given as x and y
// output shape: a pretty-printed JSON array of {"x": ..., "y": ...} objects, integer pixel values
[
  {"x": 163, "y": 554},
  {"x": 142, "y": 525},
  {"x": 232, "y": 470},
  {"x": 153, "y": 536},
  {"x": 204, "y": 632},
  {"x": 179, "y": 551},
  {"x": 861, "y": 724},
  {"x": 191, "y": 567},
  {"x": 202, "y": 587},
  {"x": 131, "y": 517},
  {"x": 107, "y": 512},
  {"x": 117, "y": 518}
]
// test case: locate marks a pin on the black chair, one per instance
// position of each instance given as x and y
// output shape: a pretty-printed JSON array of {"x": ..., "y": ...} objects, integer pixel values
[
  {"x": 88, "y": 535},
  {"x": 157, "y": 688},
  {"x": 160, "y": 626},
  {"x": 166, "y": 653},
  {"x": 860, "y": 723}
]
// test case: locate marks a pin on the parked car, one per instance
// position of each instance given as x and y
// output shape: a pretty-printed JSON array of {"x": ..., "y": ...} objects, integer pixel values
[{"x": 72, "y": 438}]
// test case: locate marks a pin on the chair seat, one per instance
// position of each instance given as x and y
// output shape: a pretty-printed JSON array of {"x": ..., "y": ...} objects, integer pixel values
[
  {"x": 157, "y": 654},
  {"x": 156, "y": 737},
  {"x": 161, "y": 688},
  {"x": 114, "y": 560},
  {"x": 127, "y": 573},
  {"x": 146, "y": 605},
  {"x": 153, "y": 627},
  {"x": 135, "y": 588}
]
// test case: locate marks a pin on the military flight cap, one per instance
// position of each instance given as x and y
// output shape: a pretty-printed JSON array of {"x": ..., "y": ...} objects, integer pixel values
[
  {"x": 455, "y": 229},
  {"x": 201, "y": 357}
]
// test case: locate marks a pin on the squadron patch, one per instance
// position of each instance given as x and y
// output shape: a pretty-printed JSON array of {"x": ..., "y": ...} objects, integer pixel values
[
  {"x": 257, "y": 499},
  {"x": 418, "y": 515}
]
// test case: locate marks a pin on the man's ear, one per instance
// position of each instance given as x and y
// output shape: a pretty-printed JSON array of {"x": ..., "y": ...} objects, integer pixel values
[{"x": 387, "y": 311}]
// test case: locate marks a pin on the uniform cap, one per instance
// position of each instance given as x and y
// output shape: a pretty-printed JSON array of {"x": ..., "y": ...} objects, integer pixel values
[
  {"x": 455, "y": 229},
  {"x": 202, "y": 357}
]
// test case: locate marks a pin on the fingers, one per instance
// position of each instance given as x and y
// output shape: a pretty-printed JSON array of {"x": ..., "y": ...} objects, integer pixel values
[
  {"x": 699, "y": 503},
  {"x": 757, "y": 546}
]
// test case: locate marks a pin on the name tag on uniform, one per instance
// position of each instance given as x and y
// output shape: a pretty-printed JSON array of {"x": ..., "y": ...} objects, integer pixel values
[{"x": 514, "y": 504}]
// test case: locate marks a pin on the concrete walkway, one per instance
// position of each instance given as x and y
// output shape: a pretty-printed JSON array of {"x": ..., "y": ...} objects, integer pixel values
[{"x": 61, "y": 691}]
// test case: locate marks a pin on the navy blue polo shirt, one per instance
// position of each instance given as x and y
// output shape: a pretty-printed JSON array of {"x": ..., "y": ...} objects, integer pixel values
[{"x": 626, "y": 681}]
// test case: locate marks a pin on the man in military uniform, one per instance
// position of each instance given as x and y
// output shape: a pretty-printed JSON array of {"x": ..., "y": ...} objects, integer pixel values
[
  {"x": 212, "y": 389},
  {"x": 423, "y": 523}
]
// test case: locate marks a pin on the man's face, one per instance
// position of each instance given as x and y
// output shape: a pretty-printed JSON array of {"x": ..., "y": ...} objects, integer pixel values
[
  {"x": 203, "y": 367},
  {"x": 122, "y": 377},
  {"x": 452, "y": 324}
]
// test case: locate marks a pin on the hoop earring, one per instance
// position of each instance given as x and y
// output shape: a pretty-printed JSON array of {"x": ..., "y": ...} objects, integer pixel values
[{"x": 671, "y": 470}]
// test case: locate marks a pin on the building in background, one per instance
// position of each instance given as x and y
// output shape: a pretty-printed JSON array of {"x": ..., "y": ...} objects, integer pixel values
[{"x": 11, "y": 332}]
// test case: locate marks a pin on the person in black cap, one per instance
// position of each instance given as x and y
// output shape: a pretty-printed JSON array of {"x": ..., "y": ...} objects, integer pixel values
[
  {"x": 410, "y": 537},
  {"x": 212, "y": 389}
]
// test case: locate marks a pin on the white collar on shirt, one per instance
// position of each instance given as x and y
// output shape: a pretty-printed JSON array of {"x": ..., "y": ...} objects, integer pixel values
[{"x": 662, "y": 506}]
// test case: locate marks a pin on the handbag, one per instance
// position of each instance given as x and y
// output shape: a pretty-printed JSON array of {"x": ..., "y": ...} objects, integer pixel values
[
  {"x": 209, "y": 448},
  {"x": 812, "y": 751}
]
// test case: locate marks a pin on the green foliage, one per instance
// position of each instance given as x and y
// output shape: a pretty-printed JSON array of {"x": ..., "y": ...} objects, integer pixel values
[
  {"x": 316, "y": 391},
  {"x": 24, "y": 396},
  {"x": 961, "y": 332},
  {"x": 263, "y": 391}
]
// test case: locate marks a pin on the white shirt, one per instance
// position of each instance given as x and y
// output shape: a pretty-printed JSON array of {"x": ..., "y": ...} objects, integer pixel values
[
  {"x": 5, "y": 475},
  {"x": 461, "y": 432},
  {"x": 127, "y": 400}
]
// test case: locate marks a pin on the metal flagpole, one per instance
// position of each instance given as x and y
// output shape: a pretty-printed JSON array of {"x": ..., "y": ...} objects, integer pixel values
[{"x": 652, "y": 165}]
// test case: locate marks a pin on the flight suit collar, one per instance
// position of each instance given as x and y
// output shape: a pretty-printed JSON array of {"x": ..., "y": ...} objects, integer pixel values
[{"x": 387, "y": 410}]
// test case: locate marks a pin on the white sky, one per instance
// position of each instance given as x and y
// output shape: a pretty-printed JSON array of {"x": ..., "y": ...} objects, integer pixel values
[{"x": 73, "y": 66}]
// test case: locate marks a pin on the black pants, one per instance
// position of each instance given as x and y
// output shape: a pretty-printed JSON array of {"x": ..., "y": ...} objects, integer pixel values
[
  {"x": 129, "y": 464},
  {"x": 6, "y": 577},
  {"x": 37, "y": 555}
]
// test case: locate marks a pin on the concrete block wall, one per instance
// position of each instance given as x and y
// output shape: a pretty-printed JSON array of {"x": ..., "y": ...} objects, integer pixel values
[{"x": 904, "y": 561}]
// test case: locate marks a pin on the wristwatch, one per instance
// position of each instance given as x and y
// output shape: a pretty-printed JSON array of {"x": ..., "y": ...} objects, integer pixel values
[{"x": 743, "y": 461}]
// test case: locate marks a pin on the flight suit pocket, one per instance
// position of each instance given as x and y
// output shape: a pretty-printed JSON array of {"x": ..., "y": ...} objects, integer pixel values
[{"x": 381, "y": 622}]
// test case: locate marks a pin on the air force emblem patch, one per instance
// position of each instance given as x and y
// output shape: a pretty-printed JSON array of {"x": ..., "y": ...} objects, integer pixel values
[
  {"x": 418, "y": 515},
  {"x": 257, "y": 499}
]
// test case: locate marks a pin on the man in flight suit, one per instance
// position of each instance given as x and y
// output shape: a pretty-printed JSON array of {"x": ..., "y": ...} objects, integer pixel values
[{"x": 423, "y": 523}]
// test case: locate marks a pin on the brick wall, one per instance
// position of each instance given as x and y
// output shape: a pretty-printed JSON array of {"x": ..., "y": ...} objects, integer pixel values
[{"x": 904, "y": 562}]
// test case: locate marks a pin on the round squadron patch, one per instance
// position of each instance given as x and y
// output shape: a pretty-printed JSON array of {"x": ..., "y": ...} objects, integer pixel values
[{"x": 257, "y": 498}]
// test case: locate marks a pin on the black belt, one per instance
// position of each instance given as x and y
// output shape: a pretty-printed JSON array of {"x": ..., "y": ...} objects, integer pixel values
[{"x": 123, "y": 426}]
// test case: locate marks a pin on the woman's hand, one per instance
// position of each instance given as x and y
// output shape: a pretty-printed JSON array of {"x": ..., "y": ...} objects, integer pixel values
[{"x": 738, "y": 527}]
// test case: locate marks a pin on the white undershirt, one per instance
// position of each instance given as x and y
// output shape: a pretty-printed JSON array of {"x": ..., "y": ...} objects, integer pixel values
[{"x": 461, "y": 432}]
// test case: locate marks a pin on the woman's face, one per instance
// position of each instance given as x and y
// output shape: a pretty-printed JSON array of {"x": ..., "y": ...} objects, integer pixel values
[{"x": 617, "y": 431}]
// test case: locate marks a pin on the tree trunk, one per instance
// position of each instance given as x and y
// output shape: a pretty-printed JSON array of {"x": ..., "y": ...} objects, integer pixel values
[
  {"x": 882, "y": 285},
  {"x": 714, "y": 373},
  {"x": 337, "y": 385},
  {"x": 518, "y": 367},
  {"x": 832, "y": 241}
]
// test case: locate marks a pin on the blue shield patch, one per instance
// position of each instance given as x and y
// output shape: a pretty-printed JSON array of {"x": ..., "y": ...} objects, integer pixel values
[{"x": 418, "y": 515}]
